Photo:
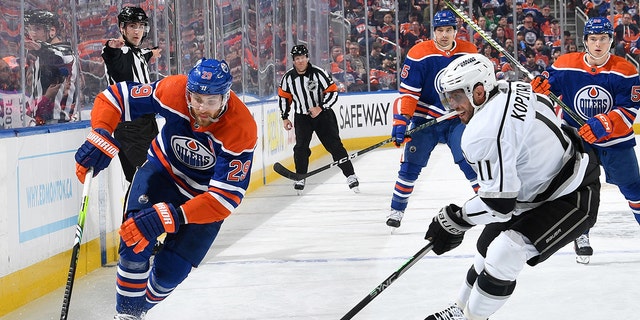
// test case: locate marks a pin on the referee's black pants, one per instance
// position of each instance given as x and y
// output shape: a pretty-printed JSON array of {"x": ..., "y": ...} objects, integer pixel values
[{"x": 325, "y": 125}]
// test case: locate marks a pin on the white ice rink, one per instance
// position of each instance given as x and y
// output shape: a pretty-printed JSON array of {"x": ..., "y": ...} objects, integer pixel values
[{"x": 283, "y": 256}]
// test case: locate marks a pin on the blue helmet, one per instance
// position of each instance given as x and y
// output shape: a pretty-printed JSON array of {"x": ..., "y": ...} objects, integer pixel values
[
  {"x": 210, "y": 76},
  {"x": 598, "y": 25},
  {"x": 444, "y": 18}
]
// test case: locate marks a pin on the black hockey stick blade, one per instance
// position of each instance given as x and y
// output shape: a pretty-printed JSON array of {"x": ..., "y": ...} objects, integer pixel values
[
  {"x": 76, "y": 245},
  {"x": 387, "y": 282},
  {"x": 281, "y": 170}
]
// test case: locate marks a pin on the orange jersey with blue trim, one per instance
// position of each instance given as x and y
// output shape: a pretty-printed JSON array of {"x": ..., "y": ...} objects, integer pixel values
[
  {"x": 424, "y": 61},
  {"x": 612, "y": 88},
  {"x": 209, "y": 165}
]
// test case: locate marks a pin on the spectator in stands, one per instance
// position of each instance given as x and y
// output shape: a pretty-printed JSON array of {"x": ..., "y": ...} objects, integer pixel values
[
  {"x": 356, "y": 63},
  {"x": 625, "y": 33},
  {"x": 463, "y": 33},
  {"x": 553, "y": 34},
  {"x": 530, "y": 30},
  {"x": 491, "y": 53},
  {"x": 519, "y": 14},
  {"x": 508, "y": 30},
  {"x": 375, "y": 58},
  {"x": 530, "y": 7},
  {"x": 336, "y": 52},
  {"x": 387, "y": 31},
  {"x": 531, "y": 64},
  {"x": 488, "y": 10},
  {"x": 9, "y": 74},
  {"x": 544, "y": 19},
  {"x": 542, "y": 50},
  {"x": 415, "y": 35},
  {"x": 632, "y": 9},
  {"x": 619, "y": 8},
  {"x": 498, "y": 35}
]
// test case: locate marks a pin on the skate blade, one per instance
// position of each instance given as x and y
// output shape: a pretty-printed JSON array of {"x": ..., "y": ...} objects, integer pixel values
[
  {"x": 583, "y": 259},
  {"x": 356, "y": 189},
  {"x": 299, "y": 192}
]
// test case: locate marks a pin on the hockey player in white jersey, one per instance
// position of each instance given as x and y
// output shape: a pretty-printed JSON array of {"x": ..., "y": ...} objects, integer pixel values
[{"x": 538, "y": 190}]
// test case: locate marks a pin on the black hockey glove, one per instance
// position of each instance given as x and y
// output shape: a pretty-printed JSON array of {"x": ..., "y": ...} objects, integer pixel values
[{"x": 447, "y": 229}]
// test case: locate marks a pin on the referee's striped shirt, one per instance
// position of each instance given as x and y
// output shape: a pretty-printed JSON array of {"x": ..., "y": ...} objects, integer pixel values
[
  {"x": 127, "y": 64},
  {"x": 314, "y": 88}
]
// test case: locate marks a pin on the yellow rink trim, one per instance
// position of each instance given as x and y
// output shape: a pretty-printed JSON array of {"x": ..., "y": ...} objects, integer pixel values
[
  {"x": 23, "y": 286},
  {"x": 636, "y": 128},
  {"x": 30, "y": 283}
]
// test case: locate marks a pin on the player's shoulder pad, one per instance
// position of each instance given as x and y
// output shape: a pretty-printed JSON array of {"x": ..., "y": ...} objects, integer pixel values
[
  {"x": 465, "y": 46},
  {"x": 171, "y": 91},
  {"x": 569, "y": 60},
  {"x": 239, "y": 131},
  {"x": 622, "y": 66},
  {"x": 422, "y": 49}
]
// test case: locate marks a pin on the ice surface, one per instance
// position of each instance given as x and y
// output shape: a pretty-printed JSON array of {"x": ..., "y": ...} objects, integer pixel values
[{"x": 315, "y": 256}]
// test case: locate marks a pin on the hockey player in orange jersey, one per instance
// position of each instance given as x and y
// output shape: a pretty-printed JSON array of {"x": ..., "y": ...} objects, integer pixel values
[
  {"x": 197, "y": 172},
  {"x": 604, "y": 91}
]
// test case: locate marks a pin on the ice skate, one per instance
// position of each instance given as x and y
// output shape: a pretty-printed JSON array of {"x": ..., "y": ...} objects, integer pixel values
[
  {"x": 583, "y": 249},
  {"x": 450, "y": 313},
  {"x": 353, "y": 183},
  {"x": 394, "y": 218},
  {"x": 299, "y": 186}
]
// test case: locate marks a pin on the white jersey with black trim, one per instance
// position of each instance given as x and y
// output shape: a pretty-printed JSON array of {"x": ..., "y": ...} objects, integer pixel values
[{"x": 517, "y": 147}]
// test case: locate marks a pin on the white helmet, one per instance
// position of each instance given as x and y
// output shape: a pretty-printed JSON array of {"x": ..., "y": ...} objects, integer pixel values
[{"x": 465, "y": 73}]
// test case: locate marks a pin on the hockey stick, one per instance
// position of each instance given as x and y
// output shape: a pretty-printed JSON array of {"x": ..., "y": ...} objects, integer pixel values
[
  {"x": 387, "y": 282},
  {"x": 76, "y": 245},
  {"x": 280, "y": 169},
  {"x": 511, "y": 59}
]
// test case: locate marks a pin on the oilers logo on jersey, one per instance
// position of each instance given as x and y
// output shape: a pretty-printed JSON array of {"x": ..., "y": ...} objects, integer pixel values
[
  {"x": 591, "y": 100},
  {"x": 192, "y": 153}
]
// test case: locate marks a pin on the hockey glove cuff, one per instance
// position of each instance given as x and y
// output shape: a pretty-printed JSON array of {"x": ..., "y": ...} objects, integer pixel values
[
  {"x": 447, "y": 229},
  {"x": 596, "y": 128},
  {"x": 96, "y": 152},
  {"x": 400, "y": 123},
  {"x": 146, "y": 225},
  {"x": 540, "y": 84}
]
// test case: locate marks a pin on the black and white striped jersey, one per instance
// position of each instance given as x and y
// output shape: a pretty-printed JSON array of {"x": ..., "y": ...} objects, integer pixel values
[
  {"x": 126, "y": 64},
  {"x": 314, "y": 88}
]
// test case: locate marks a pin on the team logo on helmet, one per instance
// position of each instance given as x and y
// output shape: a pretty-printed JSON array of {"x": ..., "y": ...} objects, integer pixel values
[
  {"x": 592, "y": 100},
  {"x": 192, "y": 153}
]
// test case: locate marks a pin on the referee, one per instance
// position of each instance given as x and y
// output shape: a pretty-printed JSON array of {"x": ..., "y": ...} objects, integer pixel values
[
  {"x": 126, "y": 61},
  {"x": 312, "y": 93}
]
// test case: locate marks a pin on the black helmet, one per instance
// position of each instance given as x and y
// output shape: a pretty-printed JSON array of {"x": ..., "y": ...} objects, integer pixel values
[
  {"x": 132, "y": 14},
  {"x": 41, "y": 17},
  {"x": 299, "y": 50}
]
